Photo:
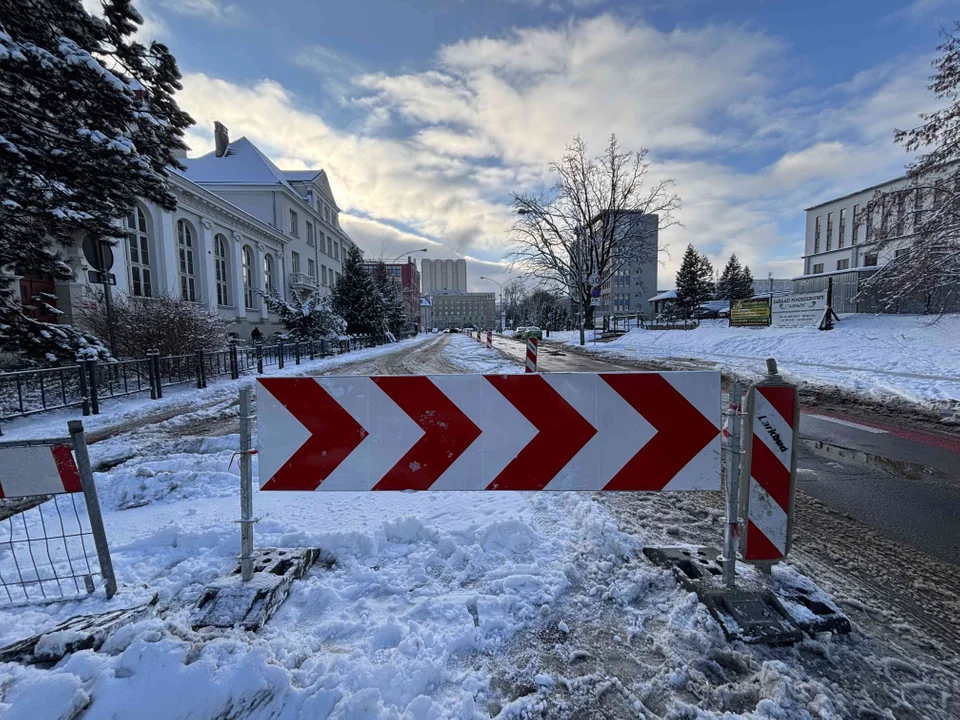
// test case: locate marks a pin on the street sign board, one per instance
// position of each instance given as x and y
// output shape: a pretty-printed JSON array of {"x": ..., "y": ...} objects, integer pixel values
[
  {"x": 804, "y": 310},
  {"x": 94, "y": 256},
  {"x": 594, "y": 279},
  {"x": 595, "y": 291},
  {"x": 754, "y": 312},
  {"x": 101, "y": 278},
  {"x": 559, "y": 431},
  {"x": 595, "y": 302}
]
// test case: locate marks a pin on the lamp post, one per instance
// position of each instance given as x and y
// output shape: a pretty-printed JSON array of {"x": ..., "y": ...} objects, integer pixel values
[
  {"x": 499, "y": 285},
  {"x": 408, "y": 252}
]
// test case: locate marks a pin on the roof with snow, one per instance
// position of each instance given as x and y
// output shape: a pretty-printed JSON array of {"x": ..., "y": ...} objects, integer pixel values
[
  {"x": 243, "y": 164},
  {"x": 301, "y": 175},
  {"x": 668, "y": 295}
]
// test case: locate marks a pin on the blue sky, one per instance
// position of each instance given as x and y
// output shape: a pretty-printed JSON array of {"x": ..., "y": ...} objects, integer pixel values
[{"x": 427, "y": 115}]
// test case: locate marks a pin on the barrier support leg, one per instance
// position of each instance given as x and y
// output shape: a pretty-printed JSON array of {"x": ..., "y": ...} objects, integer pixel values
[
  {"x": 246, "y": 487},
  {"x": 732, "y": 488}
]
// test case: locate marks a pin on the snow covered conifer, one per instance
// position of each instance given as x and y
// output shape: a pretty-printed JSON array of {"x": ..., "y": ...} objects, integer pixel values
[
  {"x": 88, "y": 123},
  {"x": 309, "y": 318},
  {"x": 394, "y": 315},
  {"x": 736, "y": 281},
  {"x": 354, "y": 297}
]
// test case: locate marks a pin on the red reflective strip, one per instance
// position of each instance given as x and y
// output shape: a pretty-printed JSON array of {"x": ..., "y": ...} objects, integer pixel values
[
  {"x": 69, "y": 475},
  {"x": 335, "y": 434},
  {"x": 783, "y": 399},
  {"x": 759, "y": 546},
  {"x": 562, "y": 432},
  {"x": 447, "y": 433},
  {"x": 682, "y": 431},
  {"x": 767, "y": 470}
]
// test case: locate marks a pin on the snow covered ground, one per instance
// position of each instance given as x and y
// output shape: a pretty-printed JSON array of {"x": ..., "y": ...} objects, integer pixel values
[
  {"x": 427, "y": 605},
  {"x": 900, "y": 356}
]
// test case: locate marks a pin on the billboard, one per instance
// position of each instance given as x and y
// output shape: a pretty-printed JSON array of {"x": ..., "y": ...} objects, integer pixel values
[
  {"x": 754, "y": 312},
  {"x": 804, "y": 310}
]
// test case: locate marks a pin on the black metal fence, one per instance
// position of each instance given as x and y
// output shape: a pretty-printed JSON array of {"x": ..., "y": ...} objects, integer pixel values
[{"x": 88, "y": 382}]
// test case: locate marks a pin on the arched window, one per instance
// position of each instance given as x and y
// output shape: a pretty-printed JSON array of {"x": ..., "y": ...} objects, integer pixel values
[
  {"x": 268, "y": 272},
  {"x": 249, "y": 294},
  {"x": 138, "y": 248},
  {"x": 220, "y": 265},
  {"x": 188, "y": 281}
]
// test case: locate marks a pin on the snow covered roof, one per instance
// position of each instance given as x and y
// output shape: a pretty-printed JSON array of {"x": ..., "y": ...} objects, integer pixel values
[
  {"x": 668, "y": 295},
  {"x": 243, "y": 164},
  {"x": 300, "y": 175}
]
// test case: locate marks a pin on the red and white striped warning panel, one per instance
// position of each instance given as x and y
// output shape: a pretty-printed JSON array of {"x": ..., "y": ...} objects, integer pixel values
[
  {"x": 531, "y": 355},
  {"x": 772, "y": 472},
  {"x": 37, "y": 470},
  {"x": 557, "y": 431}
]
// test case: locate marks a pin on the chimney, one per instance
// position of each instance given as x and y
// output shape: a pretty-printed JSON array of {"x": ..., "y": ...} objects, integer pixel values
[{"x": 222, "y": 138}]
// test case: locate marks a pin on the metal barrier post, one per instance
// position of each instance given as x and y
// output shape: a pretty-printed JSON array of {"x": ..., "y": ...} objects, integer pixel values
[
  {"x": 246, "y": 487},
  {"x": 151, "y": 377},
  {"x": 280, "y": 353},
  {"x": 82, "y": 377},
  {"x": 93, "y": 506},
  {"x": 296, "y": 352},
  {"x": 732, "y": 488},
  {"x": 259, "y": 359},
  {"x": 201, "y": 380},
  {"x": 234, "y": 363},
  {"x": 156, "y": 373},
  {"x": 91, "y": 364}
]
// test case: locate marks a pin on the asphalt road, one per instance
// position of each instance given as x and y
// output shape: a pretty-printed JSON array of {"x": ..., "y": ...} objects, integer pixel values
[{"x": 901, "y": 481}]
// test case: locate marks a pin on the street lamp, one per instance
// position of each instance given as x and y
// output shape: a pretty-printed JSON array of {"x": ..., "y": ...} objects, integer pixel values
[
  {"x": 499, "y": 285},
  {"x": 408, "y": 252}
]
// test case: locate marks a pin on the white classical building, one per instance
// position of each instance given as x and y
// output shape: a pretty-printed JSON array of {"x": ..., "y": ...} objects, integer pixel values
[{"x": 241, "y": 225}]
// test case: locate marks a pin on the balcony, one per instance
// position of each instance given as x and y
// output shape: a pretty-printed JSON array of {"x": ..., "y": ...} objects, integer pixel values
[{"x": 301, "y": 281}]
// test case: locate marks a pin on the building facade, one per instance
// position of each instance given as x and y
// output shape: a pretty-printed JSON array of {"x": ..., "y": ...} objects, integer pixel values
[
  {"x": 627, "y": 290},
  {"x": 439, "y": 276},
  {"x": 407, "y": 278},
  {"x": 458, "y": 310},
  {"x": 241, "y": 225}
]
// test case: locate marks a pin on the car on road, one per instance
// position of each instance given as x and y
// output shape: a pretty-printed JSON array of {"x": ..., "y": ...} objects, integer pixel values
[
  {"x": 519, "y": 332},
  {"x": 533, "y": 331}
]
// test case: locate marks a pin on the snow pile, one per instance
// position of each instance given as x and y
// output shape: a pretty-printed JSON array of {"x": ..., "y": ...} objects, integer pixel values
[
  {"x": 878, "y": 356},
  {"x": 475, "y": 357}
]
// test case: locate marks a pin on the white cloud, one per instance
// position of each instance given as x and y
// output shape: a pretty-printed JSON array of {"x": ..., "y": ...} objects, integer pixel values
[
  {"x": 439, "y": 151},
  {"x": 210, "y": 9}
]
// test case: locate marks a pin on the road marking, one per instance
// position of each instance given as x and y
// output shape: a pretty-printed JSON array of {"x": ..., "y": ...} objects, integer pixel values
[{"x": 838, "y": 421}]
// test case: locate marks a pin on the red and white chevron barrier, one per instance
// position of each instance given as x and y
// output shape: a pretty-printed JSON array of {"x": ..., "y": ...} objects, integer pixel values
[
  {"x": 556, "y": 431},
  {"x": 38, "y": 470},
  {"x": 769, "y": 470},
  {"x": 489, "y": 339},
  {"x": 531, "y": 355}
]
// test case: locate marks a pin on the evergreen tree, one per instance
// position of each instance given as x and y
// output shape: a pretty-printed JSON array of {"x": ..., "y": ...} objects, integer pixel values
[
  {"x": 736, "y": 281},
  {"x": 694, "y": 282},
  {"x": 88, "y": 123},
  {"x": 355, "y": 299},
  {"x": 391, "y": 301},
  {"x": 307, "y": 318}
]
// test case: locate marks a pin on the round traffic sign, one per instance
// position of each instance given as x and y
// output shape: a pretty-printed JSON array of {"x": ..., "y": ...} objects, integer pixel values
[
  {"x": 93, "y": 257},
  {"x": 594, "y": 279}
]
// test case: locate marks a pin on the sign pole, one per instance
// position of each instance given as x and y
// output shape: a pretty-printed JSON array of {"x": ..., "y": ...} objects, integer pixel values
[
  {"x": 732, "y": 487},
  {"x": 246, "y": 487}
]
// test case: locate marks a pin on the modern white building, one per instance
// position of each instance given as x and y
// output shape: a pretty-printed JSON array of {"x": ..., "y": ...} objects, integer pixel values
[
  {"x": 840, "y": 245},
  {"x": 441, "y": 276},
  {"x": 241, "y": 225}
]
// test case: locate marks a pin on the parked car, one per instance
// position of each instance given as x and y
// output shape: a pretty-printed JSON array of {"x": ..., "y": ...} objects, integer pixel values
[
  {"x": 519, "y": 332},
  {"x": 533, "y": 331},
  {"x": 436, "y": 330}
]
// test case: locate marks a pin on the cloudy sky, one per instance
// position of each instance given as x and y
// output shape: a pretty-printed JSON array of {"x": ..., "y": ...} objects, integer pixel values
[{"x": 428, "y": 114}]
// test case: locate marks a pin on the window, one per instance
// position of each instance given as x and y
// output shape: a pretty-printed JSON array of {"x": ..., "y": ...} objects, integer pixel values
[
  {"x": 918, "y": 209},
  {"x": 338, "y": 277},
  {"x": 843, "y": 264},
  {"x": 268, "y": 272},
  {"x": 818, "y": 268},
  {"x": 311, "y": 269},
  {"x": 869, "y": 226},
  {"x": 901, "y": 213},
  {"x": 310, "y": 241},
  {"x": 856, "y": 225},
  {"x": 329, "y": 245},
  {"x": 220, "y": 267},
  {"x": 870, "y": 259},
  {"x": 335, "y": 217},
  {"x": 901, "y": 253},
  {"x": 829, "y": 230},
  {"x": 326, "y": 213},
  {"x": 294, "y": 223},
  {"x": 322, "y": 238},
  {"x": 336, "y": 251},
  {"x": 323, "y": 273},
  {"x": 816, "y": 235},
  {"x": 249, "y": 294},
  {"x": 188, "y": 282},
  {"x": 842, "y": 228},
  {"x": 138, "y": 242},
  {"x": 295, "y": 262}
]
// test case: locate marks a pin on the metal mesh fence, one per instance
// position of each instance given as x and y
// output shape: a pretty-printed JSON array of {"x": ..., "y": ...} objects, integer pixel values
[{"x": 47, "y": 550}]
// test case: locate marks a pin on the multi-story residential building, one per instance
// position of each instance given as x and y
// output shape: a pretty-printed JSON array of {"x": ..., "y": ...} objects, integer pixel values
[
  {"x": 440, "y": 276},
  {"x": 457, "y": 310},
  {"x": 841, "y": 243},
  {"x": 408, "y": 280},
  {"x": 241, "y": 225}
]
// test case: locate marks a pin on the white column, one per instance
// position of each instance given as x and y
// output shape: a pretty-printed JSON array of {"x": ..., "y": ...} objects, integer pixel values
[
  {"x": 236, "y": 264},
  {"x": 258, "y": 279},
  {"x": 208, "y": 286},
  {"x": 169, "y": 260}
]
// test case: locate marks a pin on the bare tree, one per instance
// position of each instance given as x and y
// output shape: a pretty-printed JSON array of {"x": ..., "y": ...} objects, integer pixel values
[
  {"x": 923, "y": 272},
  {"x": 599, "y": 217}
]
